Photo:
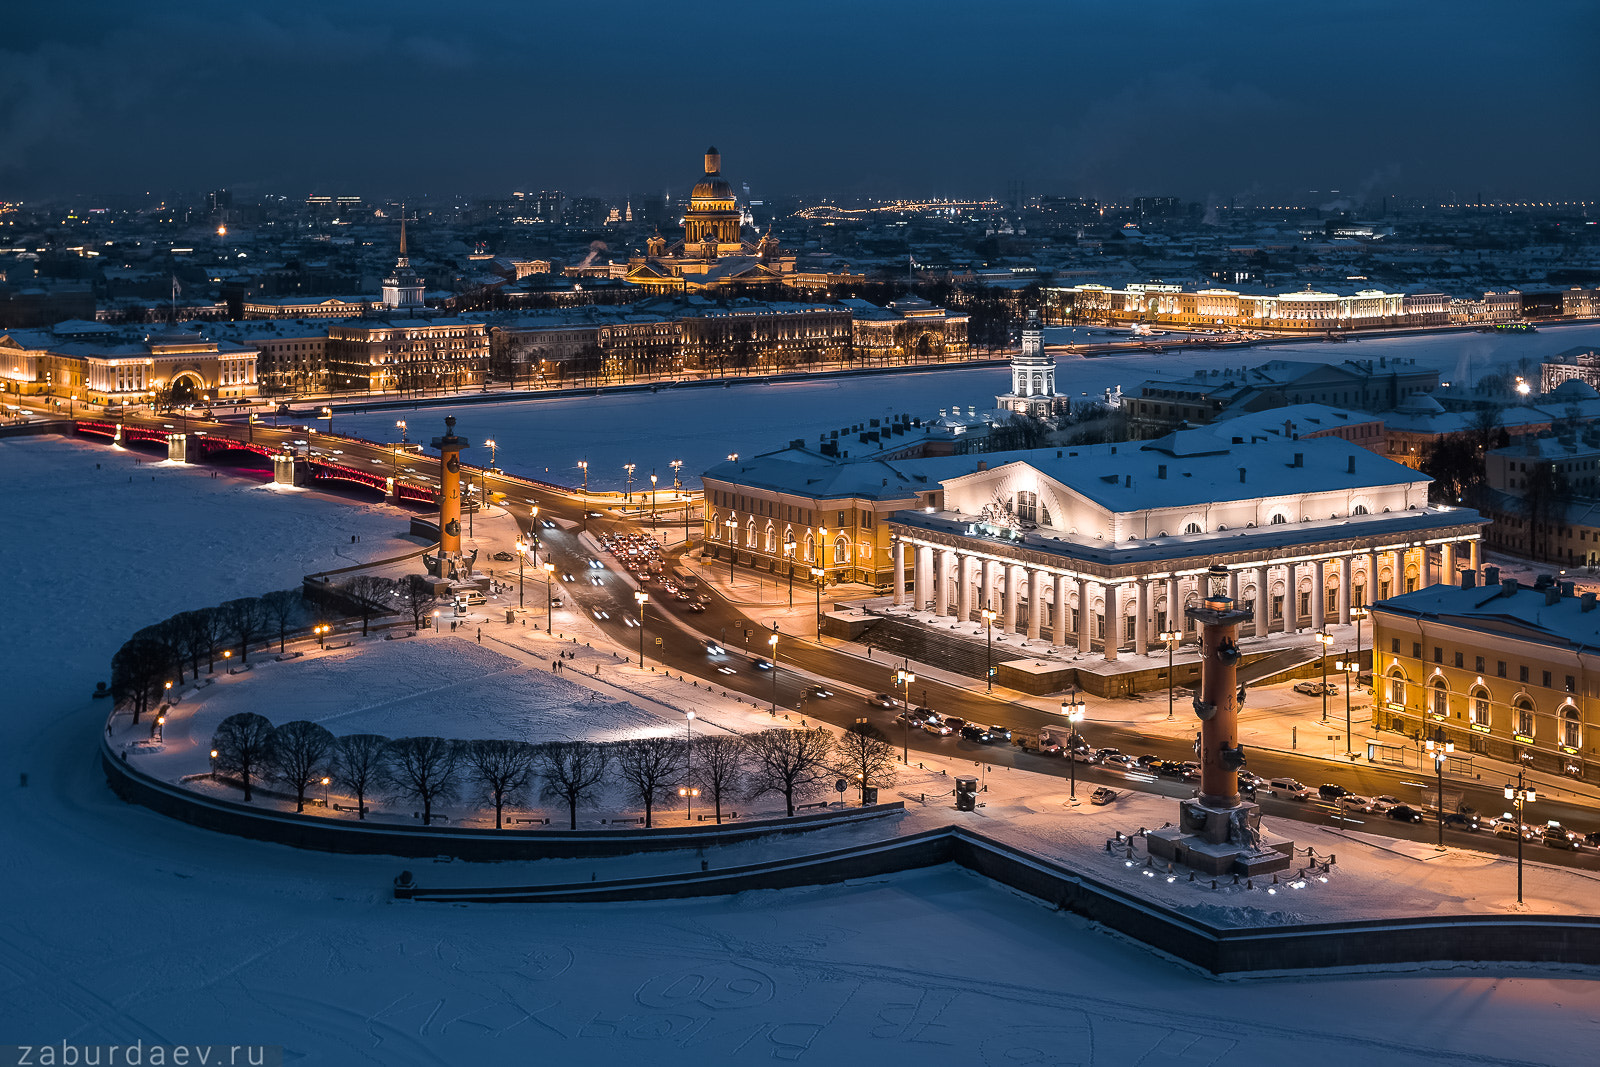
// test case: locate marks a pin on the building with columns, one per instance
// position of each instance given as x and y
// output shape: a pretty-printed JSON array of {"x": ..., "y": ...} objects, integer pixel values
[
  {"x": 1033, "y": 378},
  {"x": 1100, "y": 548}
]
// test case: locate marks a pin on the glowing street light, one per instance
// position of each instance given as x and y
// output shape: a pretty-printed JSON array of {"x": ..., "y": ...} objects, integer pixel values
[
  {"x": 492, "y": 449},
  {"x": 1170, "y": 638},
  {"x": 522, "y": 555},
  {"x": 321, "y": 630},
  {"x": 583, "y": 465},
  {"x": 1440, "y": 748},
  {"x": 687, "y": 791},
  {"x": 652, "y": 498},
  {"x": 1348, "y": 665},
  {"x": 1072, "y": 708},
  {"x": 1520, "y": 794},
  {"x": 989, "y": 617},
  {"x": 904, "y": 678},
  {"x": 549, "y": 595},
  {"x": 643, "y": 598},
  {"x": 401, "y": 425},
  {"x": 1324, "y": 638},
  {"x": 325, "y": 781},
  {"x": 772, "y": 643},
  {"x": 629, "y": 467}
]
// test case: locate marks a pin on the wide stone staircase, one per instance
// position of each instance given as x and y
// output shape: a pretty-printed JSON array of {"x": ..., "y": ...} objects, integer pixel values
[{"x": 909, "y": 640}]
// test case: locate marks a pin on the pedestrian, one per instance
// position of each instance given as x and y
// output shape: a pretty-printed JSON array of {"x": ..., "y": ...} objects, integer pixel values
[{"x": 480, "y": 635}]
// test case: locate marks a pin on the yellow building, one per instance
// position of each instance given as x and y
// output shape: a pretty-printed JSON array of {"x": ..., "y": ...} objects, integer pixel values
[{"x": 1508, "y": 672}]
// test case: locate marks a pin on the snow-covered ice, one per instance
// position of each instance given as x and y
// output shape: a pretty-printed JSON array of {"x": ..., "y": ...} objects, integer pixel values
[{"x": 120, "y": 924}]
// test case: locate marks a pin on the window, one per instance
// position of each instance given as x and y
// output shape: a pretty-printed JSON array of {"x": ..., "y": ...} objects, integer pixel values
[
  {"x": 1569, "y": 727},
  {"x": 1480, "y": 708},
  {"x": 1547, "y": 679},
  {"x": 1441, "y": 698},
  {"x": 1524, "y": 719},
  {"x": 841, "y": 518},
  {"x": 1305, "y": 604},
  {"x": 1028, "y": 507},
  {"x": 1416, "y": 650},
  {"x": 1330, "y": 602},
  {"x": 1397, "y": 689},
  {"x": 1572, "y": 684},
  {"x": 1500, "y": 668},
  {"x": 841, "y": 551},
  {"x": 1192, "y": 528},
  {"x": 1279, "y": 519},
  {"x": 1360, "y": 509},
  {"x": 1460, "y": 661},
  {"x": 1479, "y": 667},
  {"x": 1394, "y": 645},
  {"x": 1522, "y": 673},
  {"x": 1127, "y": 627},
  {"x": 810, "y": 549},
  {"x": 1438, "y": 654},
  {"x": 1277, "y": 606}
]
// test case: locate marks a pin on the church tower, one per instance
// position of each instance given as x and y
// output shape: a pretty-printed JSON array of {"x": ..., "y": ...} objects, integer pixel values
[
  {"x": 403, "y": 287},
  {"x": 1033, "y": 377},
  {"x": 713, "y": 210}
]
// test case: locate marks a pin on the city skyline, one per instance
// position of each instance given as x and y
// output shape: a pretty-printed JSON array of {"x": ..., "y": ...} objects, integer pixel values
[{"x": 1343, "y": 102}]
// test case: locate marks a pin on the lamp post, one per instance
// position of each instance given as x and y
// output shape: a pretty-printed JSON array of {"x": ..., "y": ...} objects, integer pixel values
[
  {"x": 158, "y": 732},
  {"x": 629, "y": 467},
  {"x": 1324, "y": 639},
  {"x": 583, "y": 465},
  {"x": 1520, "y": 794},
  {"x": 251, "y": 423},
  {"x": 818, "y": 576},
  {"x": 401, "y": 425},
  {"x": 1170, "y": 638},
  {"x": 643, "y": 598},
  {"x": 732, "y": 526},
  {"x": 688, "y": 792},
  {"x": 321, "y": 630},
  {"x": 772, "y": 643},
  {"x": 533, "y": 531},
  {"x": 1440, "y": 749},
  {"x": 492, "y": 448},
  {"x": 905, "y": 678},
  {"x": 549, "y": 595},
  {"x": 1347, "y": 665},
  {"x": 1072, "y": 708},
  {"x": 1358, "y": 613},
  {"x": 327, "y": 413},
  {"x": 988, "y": 625},
  {"x": 652, "y": 499},
  {"x": 522, "y": 555},
  {"x": 325, "y": 781},
  {"x": 788, "y": 554}
]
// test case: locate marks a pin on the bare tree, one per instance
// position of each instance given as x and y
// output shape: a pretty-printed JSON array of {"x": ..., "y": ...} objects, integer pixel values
[
  {"x": 299, "y": 753},
  {"x": 242, "y": 742},
  {"x": 502, "y": 769},
  {"x": 865, "y": 755},
  {"x": 138, "y": 673},
  {"x": 358, "y": 765},
  {"x": 282, "y": 608},
  {"x": 649, "y": 766},
  {"x": 194, "y": 642},
  {"x": 245, "y": 619},
  {"x": 791, "y": 763},
  {"x": 572, "y": 770},
  {"x": 422, "y": 769},
  {"x": 369, "y": 595},
  {"x": 170, "y": 633},
  {"x": 209, "y": 627},
  {"x": 719, "y": 762},
  {"x": 417, "y": 597}
]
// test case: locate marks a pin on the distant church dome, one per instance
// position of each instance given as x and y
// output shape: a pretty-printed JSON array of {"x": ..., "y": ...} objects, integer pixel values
[{"x": 1575, "y": 389}]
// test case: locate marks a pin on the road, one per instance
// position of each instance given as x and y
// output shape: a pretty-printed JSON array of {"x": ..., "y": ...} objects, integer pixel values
[{"x": 802, "y": 660}]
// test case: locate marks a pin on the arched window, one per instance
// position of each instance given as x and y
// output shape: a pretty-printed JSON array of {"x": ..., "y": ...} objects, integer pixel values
[
  {"x": 1525, "y": 718},
  {"x": 1480, "y": 707},
  {"x": 1570, "y": 734},
  {"x": 714, "y": 526},
  {"x": 1441, "y": 698},
  {"x": 1359, "y": 509},
  {"x": 1192, "y": 528},
  {"x": 841, "y": 550},
  {"x": 1397, "y": 689},
  {"x": 1027, "y": 506},
  {"x": 810, "y": 549},
  {"x": 772, "y": 539},
  {"x": 750, "y": 533},
  {"x": 1279, "y": 518}
]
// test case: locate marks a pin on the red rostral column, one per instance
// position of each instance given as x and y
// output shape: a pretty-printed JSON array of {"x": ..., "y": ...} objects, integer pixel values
[
  {"x": 450, "y": 447},
  {"x": 1217, "y": 703}
]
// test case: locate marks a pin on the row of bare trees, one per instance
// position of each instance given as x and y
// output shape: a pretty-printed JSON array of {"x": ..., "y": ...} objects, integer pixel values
[
  {"x": 370, "y": 595},
  {"x": 793, "y": 764},
  {"x": 173, "y": 648}
]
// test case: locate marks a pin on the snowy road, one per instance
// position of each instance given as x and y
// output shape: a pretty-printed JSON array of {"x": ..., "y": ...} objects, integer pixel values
[{"x": 121, "y": 925}]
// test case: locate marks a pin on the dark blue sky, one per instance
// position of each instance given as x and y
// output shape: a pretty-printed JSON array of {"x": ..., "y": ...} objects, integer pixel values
[{"x": 1215, "y": 99}]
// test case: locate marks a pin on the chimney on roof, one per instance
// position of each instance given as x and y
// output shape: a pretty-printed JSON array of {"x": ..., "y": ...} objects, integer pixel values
[
  {"x": 1491, "y": 576},
  {"x": 1552, "y": 595},
  {"x": 1241, "y": 475},
  {"x": 1587, "y": 602},
  {"x": 1127, "y": 481},
  {"x": 1469, "y": 579},
  {"x": 1299, "y": 460},
  {"x": 1161, "y": 471},
  {"x": 983, "y": 464},
  {"x": 1350, "y": 465},
  {"x": 1568, "y": 588}
]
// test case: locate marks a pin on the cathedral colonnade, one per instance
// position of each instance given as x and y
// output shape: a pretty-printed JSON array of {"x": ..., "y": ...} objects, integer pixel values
[{"x": 1084, "y": 608}]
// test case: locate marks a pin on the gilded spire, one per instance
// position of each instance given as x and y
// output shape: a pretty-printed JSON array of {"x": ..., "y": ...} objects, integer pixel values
[{"x": 402, "y": 229}]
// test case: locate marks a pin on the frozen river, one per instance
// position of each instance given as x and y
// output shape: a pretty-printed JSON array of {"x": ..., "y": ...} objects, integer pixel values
[{"x": 546, "y": 438}]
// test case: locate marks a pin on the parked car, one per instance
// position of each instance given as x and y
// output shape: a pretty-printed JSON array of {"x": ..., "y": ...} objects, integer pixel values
[
  {"x": 1102, "y": 796},
  {"x": 938, "y": 729},
  {"x": 1404, "y": 813},
  {"x": 976, "y": 733},
  {"x": 1316, "y": 689},
  {"x": 881, "y": 700},
  {"x": 504, "y": 557}
]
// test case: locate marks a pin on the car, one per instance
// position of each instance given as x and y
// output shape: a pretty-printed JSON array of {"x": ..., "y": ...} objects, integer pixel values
[
  {"x": 817, "y": 692},
  {"x": 714, "y": 649},
  {"x": 504, "y": 557},
  {"x": 1404, "y": 813},
  {"x": 881, "y": 700},
  {"x": 566, "y": 576},
  {"x": 1102, "y": 796},
  {"x": 1461, "y": 820},
  {"x": 1121, "y": 761},
  {"x": 1508, "y": 829},
  {"x": 971, "y": 732},
  {"x": 1000, "y": 733},
  {"x": 1101, "y": 755},
  {"x": 547, "y": 524},
  {"x": 1250, "y": 782},
  {"x": 725, "y": 669},
  {"x": 1329, "y": 791},
  {"x": 1188, "y": 769},
  {"x": 681, "y": 595},
  {"x": 910, "y": 718},
  {"x": 1288, "y": 787},
  {"x": 1354, "y": 802},
  {"x": 595, "y": 564},
  {"x": 1147, "y": 759},
  {"x": 694, "y": 609},
  {"x": 602, "y": 614},
  {"x": 1592, "y": 838},
  {"x": 938, "y": 729},
  {"x": 1316, "y": 689},
  {"x": 594, "y": 515},
  {"x": 1380, "y": 804},
  {"x": 630, "y": 621},
  {"x": 761, "y": 664},
  {"x": 955, "y": 722},
  {"x": 1556, "y": 837}
]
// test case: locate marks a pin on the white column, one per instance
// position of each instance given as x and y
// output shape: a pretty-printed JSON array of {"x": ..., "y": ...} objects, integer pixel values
[
  {"x": 1113, "y": 623},
  {"x": 1035, "y": 605},
  {"x": 899, "y": 555},
  {"x": 1347, "y": 566},
  {"x": 1372, "y": 578},
  {"x": 1263, "y": 597},
  {"x": 1085, "y": 622},
  {"x": 920, "y": 577},
  {"x": 1059, "y": 636},
  {"x": 1319, "y": 593},
  {"x": 1447, "y": 563},
  {"x": 1141, "y": 624},
  {"x": 1010, "y": 574},
  {"x": 947, "y": 565},
  {"x": 1174, "y": 606},
  {"x": 963, "y": 587},
  {"x": 1233, "y": 586},
  {"x": 1472, "y": 553},
  {"x": 1397, "y": 571},
  {"x": 985, "y": 585}
]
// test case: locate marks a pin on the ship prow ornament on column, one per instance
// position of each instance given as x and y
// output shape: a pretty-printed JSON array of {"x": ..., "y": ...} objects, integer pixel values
[
  {"x": 1218, "y": 832},
  {"x": 450, "y": 564}
]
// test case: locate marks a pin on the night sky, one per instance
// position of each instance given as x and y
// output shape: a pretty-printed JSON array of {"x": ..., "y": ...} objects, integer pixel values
[{"x": 1254, "y": 100}]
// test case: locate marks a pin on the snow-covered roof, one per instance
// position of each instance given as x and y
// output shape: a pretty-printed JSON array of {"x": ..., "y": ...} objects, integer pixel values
[{"x": 1524, "y": 612}]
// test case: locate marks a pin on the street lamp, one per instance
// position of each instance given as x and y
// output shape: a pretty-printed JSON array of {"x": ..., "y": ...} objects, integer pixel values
[
  {"x": 400, "y": 424},
  {"x": 629, "y": 468},
  {"x": 788, "y": 554},
  {"x": 321, "y": 630},
  {"x": 732, "y": 525},
  {"x": 772, "y": 643},
  {"x": 688, "y": 791},
  {"x": 549, "y": 595},
  {"x": 1072, "y": 708},
  {"x": 1520, "y": 794},
  {"x": 325, "y": 781},
  {"x": 1358, "y": 613},
  {"x": 327, "y": 413},
  {"x": 522, "y": 555},
  {"x": 492, "y": 449},
  {"x": 1324, "y": 639},
  {"x": 652, "y": 498},
  {"x": 251, "y": 423},
  {"x": 160, "y": 729},
  {"x": 583, "y": 465},
  {"x": 904, "y": 678},
  {"x": 1348, "y": 665},
  {"x": 818, "y": 576},
  {"x": 988, "y": 623},
  {"x": 1440, "y": 749},
  {"x": 643, "y": 598},
  {"x": 1170, "y": 638}
]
